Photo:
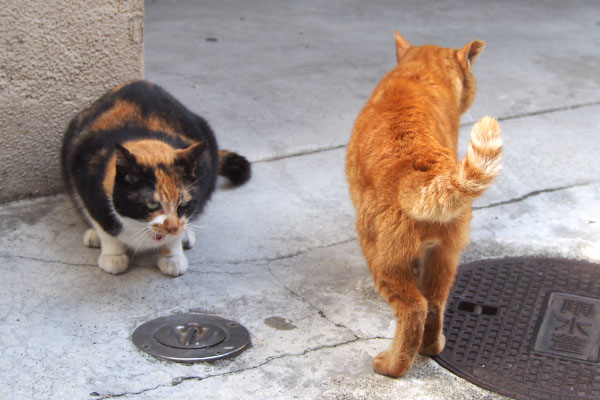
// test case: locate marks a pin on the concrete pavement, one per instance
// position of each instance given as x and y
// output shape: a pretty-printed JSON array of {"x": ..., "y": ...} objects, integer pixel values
[{"x": 282, "y": 82}]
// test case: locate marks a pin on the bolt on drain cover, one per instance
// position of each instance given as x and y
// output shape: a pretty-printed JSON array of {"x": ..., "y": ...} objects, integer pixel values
[
  {"x": 191, "y": 338},
  {"x": 528, "y": 328}
]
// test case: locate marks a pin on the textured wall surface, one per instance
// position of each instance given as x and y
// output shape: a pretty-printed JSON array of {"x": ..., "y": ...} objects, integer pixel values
[{"x": 56, "y": 57}]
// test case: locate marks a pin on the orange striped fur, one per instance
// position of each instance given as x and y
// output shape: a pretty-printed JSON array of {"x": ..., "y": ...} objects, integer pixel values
[{"x": 412, "y": 196}]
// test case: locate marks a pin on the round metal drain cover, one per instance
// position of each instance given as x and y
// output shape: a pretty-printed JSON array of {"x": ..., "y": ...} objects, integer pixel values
[
  {"x": 528, "y": 328},
  {"x": 191, "y": 338}
]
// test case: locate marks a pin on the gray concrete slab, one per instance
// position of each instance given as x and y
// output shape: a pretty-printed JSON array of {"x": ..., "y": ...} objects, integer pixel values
[{"x": 283, "y": 84}]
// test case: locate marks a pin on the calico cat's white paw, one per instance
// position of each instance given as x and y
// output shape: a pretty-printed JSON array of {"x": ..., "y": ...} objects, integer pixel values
[
  {"x": 189, "y": 239},
  {"x": 173, "y": 264},
  {"x": 91, "y": 239},
  {"x": 113, "y": 263}
]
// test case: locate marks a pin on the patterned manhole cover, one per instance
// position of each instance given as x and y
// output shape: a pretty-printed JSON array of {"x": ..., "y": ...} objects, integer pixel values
[
  {"x": 191, "y": 338},
  {"x": 528, "y": 328}
]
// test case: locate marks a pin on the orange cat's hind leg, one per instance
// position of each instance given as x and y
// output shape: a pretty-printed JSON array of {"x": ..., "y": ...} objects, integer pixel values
[
  {"x": 399, "y": 289},
  {"x": 439, "y": 270}
]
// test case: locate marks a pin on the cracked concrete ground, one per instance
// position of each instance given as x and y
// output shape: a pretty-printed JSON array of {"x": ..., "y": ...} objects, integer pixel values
[{"x": 282, "y": 82}]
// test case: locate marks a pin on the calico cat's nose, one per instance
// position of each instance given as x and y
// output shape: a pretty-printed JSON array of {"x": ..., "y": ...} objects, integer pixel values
[{"x": 171, "y": 225}]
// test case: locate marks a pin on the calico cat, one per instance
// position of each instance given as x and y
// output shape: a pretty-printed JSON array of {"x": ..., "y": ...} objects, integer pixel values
[
  {"x": 140, "y": 166},
  {"x": 412, "y": 197}
]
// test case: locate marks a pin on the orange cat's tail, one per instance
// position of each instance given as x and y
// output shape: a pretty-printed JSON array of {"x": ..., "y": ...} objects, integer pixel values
[
  {"x": 445, "y": 196},
  {"x": 234, "y": 167}
]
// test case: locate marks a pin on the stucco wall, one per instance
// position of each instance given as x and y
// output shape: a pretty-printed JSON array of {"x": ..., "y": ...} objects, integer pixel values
[{"x": 57, "y": 56}]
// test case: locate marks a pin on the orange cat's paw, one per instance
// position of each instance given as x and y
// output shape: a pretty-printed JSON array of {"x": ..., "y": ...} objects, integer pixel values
[
  {"x": 435, "y": 348},
  {"x": 384, "y": 364}
]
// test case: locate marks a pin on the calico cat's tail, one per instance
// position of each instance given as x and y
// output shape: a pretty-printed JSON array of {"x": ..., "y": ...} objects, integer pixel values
[
  {"x": 234, "y": 167},
  {"x": 446, "y": 195}
]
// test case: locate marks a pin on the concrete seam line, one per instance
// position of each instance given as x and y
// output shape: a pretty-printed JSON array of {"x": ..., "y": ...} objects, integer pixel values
[
  {"x": 532, "y": 194},
  {"x": 179, "y": 380},
  {"x": 283, "y": 257},
  {"x": 550, "y": 110},
  {"x": 47, "y": 261},
  {"x": 299, "y": 154},
  {"x": 305, "y": 301}
]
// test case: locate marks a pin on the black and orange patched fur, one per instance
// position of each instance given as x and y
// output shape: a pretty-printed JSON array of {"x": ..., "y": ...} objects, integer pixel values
[
  {"x": 412, "y": 196},
  {"x": 140, "y": 166}
]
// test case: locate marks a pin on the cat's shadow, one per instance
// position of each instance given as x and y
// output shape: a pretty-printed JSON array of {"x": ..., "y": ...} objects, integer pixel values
[{"x": 145, "y": 260}]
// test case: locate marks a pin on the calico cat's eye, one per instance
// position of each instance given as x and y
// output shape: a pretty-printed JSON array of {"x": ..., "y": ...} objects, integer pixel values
[
  {"x": 184, "y": 204},
  {"x": 183, "y": 208},
  {"x": 152, "y": 205}
]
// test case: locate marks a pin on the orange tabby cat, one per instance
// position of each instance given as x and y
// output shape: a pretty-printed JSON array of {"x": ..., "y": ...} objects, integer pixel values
[{"x": 412, "y": 196}]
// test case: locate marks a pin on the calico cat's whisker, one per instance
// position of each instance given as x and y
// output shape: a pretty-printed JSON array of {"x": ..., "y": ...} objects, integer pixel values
[
  {"x": 196, "y": 181},
  {"x": 136, "y": 244},
  {"x": 140, "y": 234},
  {"x": 141, "y": 247},
  {"x": 140, "y": 239},
  {"x": 191, "y": 185},
  {"x": 134, "y": 229},
  {"x": 192, "y": 227}
]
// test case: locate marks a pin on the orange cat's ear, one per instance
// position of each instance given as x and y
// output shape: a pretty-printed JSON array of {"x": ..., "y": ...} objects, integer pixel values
[
  {"x": 468, "y": 54},
  {"x": 402, "y": 46}
]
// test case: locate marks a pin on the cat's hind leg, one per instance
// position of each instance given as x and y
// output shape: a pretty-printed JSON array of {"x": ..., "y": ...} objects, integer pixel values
[
  {"x": 113, "y": 256},
  {"x": 398, "y": 286},
  {"x": 439, "y": 269},
  {"x": 91, "y": 239},
  {"x": 189, "y": 239},
  {"x": 171, "y": 260}
]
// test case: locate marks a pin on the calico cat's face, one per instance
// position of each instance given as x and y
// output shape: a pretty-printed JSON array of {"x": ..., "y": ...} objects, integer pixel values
[{"x": 155, "y": 199}]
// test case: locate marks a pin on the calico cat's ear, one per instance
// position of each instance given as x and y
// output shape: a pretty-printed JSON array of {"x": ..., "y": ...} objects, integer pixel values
[
  {"x": 127, "y": 165},
  {"x": 189, "y": 157},
  {"x": 468, "y": 54},
  {"x": 194, "y": 152},
  {"x": 402, "y": 46}
]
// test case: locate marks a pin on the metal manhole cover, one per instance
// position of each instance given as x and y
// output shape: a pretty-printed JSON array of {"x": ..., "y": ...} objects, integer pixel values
[
  {"x": 191, "y": 338},
  {"x": 528, "y": 328}
]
